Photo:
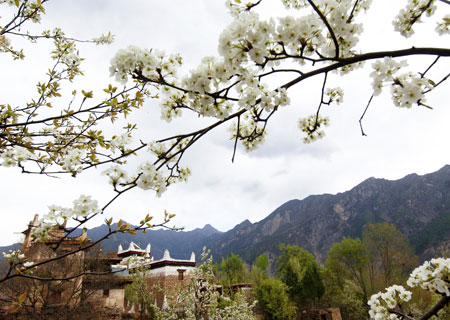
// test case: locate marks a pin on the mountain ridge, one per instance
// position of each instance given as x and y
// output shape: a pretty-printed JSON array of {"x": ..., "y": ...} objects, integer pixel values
[{"x": 419, "y": 205}]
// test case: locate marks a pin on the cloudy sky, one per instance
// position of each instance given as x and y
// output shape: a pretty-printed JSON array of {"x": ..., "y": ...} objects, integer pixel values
[{"x": 219, "y": 192}]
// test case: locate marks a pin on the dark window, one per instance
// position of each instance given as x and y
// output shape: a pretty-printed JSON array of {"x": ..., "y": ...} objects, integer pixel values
[
  {"x": 181, "y": 274},
  {"x": 106, "y": 292}
]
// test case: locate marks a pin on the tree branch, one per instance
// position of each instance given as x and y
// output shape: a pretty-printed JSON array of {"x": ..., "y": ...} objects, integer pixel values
[
  {"x": 438, "y": 306},
  {"x": 342, "y": 62},
  {"x": 327, "y": 24},
  {"x": 362, "y": 116}
]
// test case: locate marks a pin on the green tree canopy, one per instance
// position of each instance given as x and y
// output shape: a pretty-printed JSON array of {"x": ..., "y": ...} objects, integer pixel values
[
  {"x": 300, "y": 272},
  {"x": 349, "y": 259},
  {"x": 392, "y": 256},
  {"x": 262, "y": 262},
  {"x": 274, "y": 301},
  {"x": 258, "y": 271},
  {"x": 232, "y": 270}
]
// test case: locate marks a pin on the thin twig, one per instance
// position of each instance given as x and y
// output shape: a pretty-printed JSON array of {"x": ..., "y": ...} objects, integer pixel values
[
  {"x": 430, "y": 66},
  {"x": 236, "y": 139},
  {"x": 316, "y": 124},
  {"x": 362, "y": 116}
]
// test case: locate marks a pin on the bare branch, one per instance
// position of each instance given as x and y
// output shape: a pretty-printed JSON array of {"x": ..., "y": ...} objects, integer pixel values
[
  {"x": 430, "y": 66},
  {"x": 342, "y": 62},
  {"x": 236, "y": 139},
  {"x": 362, "y": 116},
  {"x": 350, "y": 17},
  {"x": 321, "y": 100}
]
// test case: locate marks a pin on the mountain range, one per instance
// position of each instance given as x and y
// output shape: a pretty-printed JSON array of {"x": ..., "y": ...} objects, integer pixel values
[{"x": 419, "y": 206}]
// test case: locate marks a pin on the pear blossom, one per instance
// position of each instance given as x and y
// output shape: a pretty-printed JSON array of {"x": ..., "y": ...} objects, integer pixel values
[
  {"x": 8, "y": 157},
  {"x": 84, "y": 206},
  {"x": 443, "y": 27},
  {"x": 116, "y": 175},
  {"x": 13, "y": 256},
  {"x": 72, "y": 160},
  {"x": 104, "y": 39},
  {"x": 150, "y": 178},
  {"x": 382, "y": 302},
  {"x": 411, "y": 14},
  {"x": 120, "y": 141},
  {"x": 433, "y": 275}
]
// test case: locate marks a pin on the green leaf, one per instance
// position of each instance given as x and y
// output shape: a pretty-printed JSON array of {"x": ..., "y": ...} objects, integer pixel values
[{"x": 87, "y": 94}]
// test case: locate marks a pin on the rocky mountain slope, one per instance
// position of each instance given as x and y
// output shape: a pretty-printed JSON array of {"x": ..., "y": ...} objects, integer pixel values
[{"x": 418, "y": 205}]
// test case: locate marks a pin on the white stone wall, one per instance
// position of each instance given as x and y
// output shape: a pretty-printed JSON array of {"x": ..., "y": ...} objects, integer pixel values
[{"x": 171, "y": 270}]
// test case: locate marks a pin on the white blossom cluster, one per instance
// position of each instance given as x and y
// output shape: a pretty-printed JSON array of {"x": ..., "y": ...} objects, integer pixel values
[
  {"x": 65, "y": 50},
  {"x": 157, "y": 148},
  {"x": 15, "y": 155},
  {"x": 201, "y": 296},
  {"x": 249, "y": 39},
  {"x": 120, "y": 141},
  {"x": 406, "y": 89},
  {"x": 382, "y": 302},
  {"x": 335, "y": 95},
  {"x": 71, "y": 59},
  {"x": 250, "y": 133},
  {"x": 247, "y": 46},
  {"x": 72, "y": 160},
  {"x": 150, "y": 178},
  {"x": 433, "y": 275},
  {"x": 298, "y": 4},
  {"x": 13, "y": 256},
  {"x": 151, "y": 64},
  {"x": 411, "y": 14},
  {"x": 116, "y": 175},
  {"x": 236, "y": 7},
  {"x": 83, "y": 207},
  {"x": 311, "y": 127},
  {"x": 444, "y": 26},
  {"x": 239, "y": 309},
  {"x": 104, "y": 39}
]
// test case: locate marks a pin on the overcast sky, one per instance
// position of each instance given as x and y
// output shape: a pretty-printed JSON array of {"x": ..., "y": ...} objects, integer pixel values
[{"x": 219, "y": 192}]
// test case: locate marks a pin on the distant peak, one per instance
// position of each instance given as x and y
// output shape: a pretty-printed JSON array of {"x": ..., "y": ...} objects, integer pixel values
[
  {"x": 209, "y": 227},
  {"x": 444, "y": 169},
  {"x": 244, "y": 223}
]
